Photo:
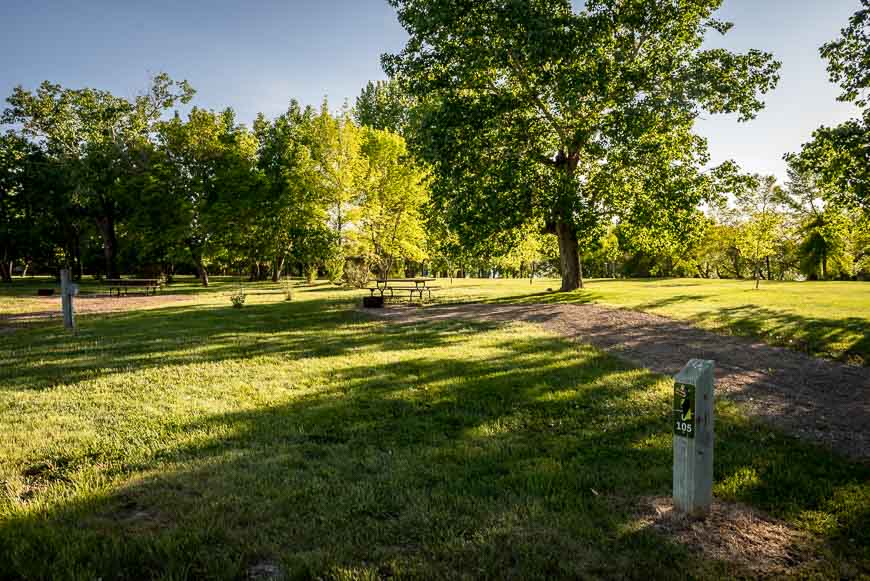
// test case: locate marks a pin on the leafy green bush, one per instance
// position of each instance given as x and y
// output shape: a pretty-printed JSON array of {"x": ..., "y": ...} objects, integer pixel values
[
  {"x": 335, "y": 267},
  {"x": 356, "y": 273},
  {"x": 287, "y": 287},
  {"x": 238, "y": 298}
]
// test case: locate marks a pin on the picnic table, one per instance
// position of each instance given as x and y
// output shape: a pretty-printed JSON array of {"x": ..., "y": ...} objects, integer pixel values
[
  {"x": 420, "y": 285},
  {"x": 148, "y": 284}
]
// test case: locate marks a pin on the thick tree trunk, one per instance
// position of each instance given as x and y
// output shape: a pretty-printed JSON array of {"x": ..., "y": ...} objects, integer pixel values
[
  {"x": 106, "y": 226},
  {"x": 738, "y": 269},
  {"x": 279, "y": 267},
  {"x": 196, "y": 253},
  {"x": 202, "y": 273},
  {"x": 6, "y": 270},
  {"x": 569, "y": 257}
]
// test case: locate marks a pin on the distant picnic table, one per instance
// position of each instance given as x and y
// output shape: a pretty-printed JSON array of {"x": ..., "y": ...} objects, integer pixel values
[
  {"x": 420, "y": 285},
  {"x": 151, "y": 285}
]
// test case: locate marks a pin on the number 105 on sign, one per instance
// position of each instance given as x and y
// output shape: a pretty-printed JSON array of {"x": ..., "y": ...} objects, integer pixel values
[{"x": 684, "y": 410}]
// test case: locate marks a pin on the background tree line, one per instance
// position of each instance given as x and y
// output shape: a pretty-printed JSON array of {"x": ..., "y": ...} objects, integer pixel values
[
  {"x": 101, "y": 184},
  {"x": 536, "y": 116},
  {"x": 514, "y": 138}
]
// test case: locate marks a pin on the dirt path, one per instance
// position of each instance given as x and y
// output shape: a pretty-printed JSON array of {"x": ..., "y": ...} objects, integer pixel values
[
  {"x": 815, "y": 399},
  {"x": 34, "y": 309}
]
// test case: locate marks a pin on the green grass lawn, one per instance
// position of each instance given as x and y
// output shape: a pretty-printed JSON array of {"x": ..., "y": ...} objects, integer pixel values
[
  {"x": 828, "y": 319},
  {"x": 198, "y": 441},
  {"x": 21, "y": 296}
]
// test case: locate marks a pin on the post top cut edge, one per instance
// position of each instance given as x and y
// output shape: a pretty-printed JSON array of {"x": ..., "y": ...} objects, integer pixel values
[{"x": 694, "y": 370}]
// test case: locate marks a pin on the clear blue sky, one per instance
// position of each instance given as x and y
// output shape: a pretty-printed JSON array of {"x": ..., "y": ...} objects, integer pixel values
[{"x": 256, "y": 55}]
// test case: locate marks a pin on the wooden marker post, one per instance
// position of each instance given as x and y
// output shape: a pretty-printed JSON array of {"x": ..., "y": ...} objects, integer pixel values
[
  {"x": 692, "y": 424},
  {"x": 67, "y": 291}
]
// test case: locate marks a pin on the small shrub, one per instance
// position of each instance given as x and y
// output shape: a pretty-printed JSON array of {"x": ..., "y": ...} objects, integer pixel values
[
  {"x": 238, "y": 298},
  {"x": 356, "y": 274},
  {"x": 335, "y": 268},
  {"x": 287, "y": 287}
]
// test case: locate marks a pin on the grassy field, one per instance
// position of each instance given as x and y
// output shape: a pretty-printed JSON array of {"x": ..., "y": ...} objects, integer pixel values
[
  {"x": 201, "y": 441},
  {"x": 828, "y": 319}
]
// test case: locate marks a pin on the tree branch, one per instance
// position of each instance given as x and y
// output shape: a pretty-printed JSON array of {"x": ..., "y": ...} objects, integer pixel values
[{"x": 523, "y": 78}]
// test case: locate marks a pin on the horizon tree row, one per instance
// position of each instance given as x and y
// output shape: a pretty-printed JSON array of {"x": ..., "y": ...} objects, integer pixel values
[
  {"x": 578, "y": 121},
  {"x": 513, "y": 138},
  {"x": 86, "y": 172}
]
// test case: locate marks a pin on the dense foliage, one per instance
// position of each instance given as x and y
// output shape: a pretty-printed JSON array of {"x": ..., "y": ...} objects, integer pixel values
[
  {"x": 514, "y": 138},
  {"x": 532, "y": 111},
  {"x": 841, "y": 155},
  {"x": 87, "y": 171}
]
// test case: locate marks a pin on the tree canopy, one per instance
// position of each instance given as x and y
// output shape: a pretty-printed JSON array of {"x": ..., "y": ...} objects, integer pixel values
[
  {"x": 530, "y": 109},
  {"x": 513, "y": 138},
  {"x": 840, "y": 155}
]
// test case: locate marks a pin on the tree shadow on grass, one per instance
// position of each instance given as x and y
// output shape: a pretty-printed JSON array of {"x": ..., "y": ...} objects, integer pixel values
[
  {"x": 846, "y": 339},
  {"x": 44, "y": 357},
  {"x": 667, "y": 301},
  {"x": 524, "y": 460},
  {"x": 578, "y": 297}
]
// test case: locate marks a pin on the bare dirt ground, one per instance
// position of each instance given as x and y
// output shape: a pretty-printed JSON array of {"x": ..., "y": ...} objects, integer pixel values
[
  {"x": 815, "y": 399},
  {"x": 36, "y": 309},
  {"x": 732, "y": 532}
]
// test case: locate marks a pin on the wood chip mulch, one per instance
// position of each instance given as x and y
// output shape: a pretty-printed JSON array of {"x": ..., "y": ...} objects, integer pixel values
[{"x": 731, "y": 532}]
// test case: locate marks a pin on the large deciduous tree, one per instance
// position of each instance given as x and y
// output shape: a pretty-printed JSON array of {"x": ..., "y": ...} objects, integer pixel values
[
  {"x": 210, "y": 180},
  {"x": 394, "y": 191},
  {"x": 98, "y": 135},
  {"x": 756, "y": 239},
  {"x": 294, "y": 211},
  {"x": 532, "y": 110},
  {"x": 840, "y": 155}
]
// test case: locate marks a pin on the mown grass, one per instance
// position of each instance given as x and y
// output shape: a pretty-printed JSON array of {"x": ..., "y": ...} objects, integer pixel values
[
  {"x": 826, "y": 319},
  {"x": 20, "y": 297},
  {"x": 201, "y": 441}
]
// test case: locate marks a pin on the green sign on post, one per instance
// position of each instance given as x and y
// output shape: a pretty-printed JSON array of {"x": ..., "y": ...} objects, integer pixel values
[
  {"x": 684, "y": 410},
  {"x": 692, "y": 425}
]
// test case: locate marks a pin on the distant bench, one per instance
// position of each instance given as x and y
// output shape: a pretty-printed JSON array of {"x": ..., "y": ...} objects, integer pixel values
[
  {"x": 149, "y": 285},
  {"x": 420, "y": 286}
]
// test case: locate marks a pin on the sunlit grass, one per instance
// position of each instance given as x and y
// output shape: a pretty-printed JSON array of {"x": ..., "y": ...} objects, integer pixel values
[
  {"x": 829, "y": 319},
  {"x": 198, "y": 440}
]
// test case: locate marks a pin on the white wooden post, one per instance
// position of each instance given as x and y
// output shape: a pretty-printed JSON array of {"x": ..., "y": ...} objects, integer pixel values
[
  {"x": 692, "y": 424},
  {"x": 67, "y": 291}
]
